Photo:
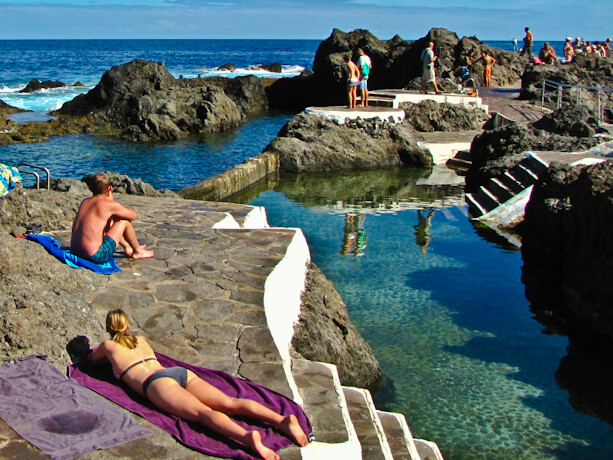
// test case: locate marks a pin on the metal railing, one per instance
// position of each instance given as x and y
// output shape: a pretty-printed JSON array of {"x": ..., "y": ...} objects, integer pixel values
[
  {"x": 35, "y": 174},
  {"x": 596, "y": 98}
]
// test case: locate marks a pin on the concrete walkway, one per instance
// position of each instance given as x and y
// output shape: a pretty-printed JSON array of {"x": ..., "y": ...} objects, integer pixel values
[{"x": 504, "y": 101}]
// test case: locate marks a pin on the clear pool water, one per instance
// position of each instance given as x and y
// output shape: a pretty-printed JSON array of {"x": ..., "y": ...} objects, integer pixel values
[{"x": 449, "y": 322}]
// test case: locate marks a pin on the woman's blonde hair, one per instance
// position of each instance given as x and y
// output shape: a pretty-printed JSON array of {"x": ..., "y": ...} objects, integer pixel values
[{"x": 117, "y": 324}]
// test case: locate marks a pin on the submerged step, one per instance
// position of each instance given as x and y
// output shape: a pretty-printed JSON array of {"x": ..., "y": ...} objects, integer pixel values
[{"x": 367, "y": 424}]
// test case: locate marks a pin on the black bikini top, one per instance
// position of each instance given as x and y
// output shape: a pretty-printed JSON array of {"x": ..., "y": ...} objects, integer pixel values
[{"x": 120, "y": 377}]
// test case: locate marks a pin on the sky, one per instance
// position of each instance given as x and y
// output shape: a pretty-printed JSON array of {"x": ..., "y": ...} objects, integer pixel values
[{"x": 310, "y": 19}]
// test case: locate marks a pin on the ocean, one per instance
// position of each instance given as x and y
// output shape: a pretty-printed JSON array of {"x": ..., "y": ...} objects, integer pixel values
[
  {"x": 84, "y": 61},
  {"x": 440, "y": 301}
]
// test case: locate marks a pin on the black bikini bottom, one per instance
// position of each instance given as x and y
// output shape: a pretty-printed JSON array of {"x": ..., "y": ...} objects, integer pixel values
[{"x": 179, "y": 374}]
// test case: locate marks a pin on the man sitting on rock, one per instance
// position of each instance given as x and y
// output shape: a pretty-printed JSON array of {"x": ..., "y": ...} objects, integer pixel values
[{"x": 101, "y": 223}]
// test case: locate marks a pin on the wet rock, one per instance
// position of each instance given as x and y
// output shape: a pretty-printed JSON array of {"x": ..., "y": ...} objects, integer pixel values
[
  {"x": 247, "y": 92},
  {"x": 567, "y": 249},
  {"x": 429, "y": 116},
  {"x": 140, "y": 100},
  {"x": 570, "y": 120},
  {"x": 274, "y": 67},
  {"x": 312, "y": 143},
  {"x": 325, "y": 333},
  {"x": 230, "y": 67},
  {"x": 36, "y": 85}
]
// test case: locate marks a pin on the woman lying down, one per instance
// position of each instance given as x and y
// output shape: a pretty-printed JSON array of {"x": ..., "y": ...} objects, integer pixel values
[{"x": 180, "y": 392}]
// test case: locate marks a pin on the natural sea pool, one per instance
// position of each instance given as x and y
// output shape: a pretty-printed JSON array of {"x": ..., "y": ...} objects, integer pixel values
[
  {"x": 440, "y": 301},
  {"x": 442, "y": 304}
]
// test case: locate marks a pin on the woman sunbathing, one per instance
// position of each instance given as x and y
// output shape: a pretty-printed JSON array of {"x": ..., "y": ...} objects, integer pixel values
[{"x": 180, "y": 392}]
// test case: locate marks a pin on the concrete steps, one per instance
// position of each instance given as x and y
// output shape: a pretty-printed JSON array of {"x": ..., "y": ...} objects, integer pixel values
[
  {"x": 367, "y": 424},
  {"x": 461, "y": 161},
  {"x": 505, "y": 188}
]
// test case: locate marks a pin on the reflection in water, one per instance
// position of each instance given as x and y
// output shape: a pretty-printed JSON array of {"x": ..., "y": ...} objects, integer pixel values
[
  {"x": 422, "y": 230},
  {"x": 354, "y": 237}
]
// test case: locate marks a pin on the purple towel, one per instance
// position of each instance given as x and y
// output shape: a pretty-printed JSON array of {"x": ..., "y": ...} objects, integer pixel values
[
  {"x": 57, "y": 415},
  {"x": 100, "y": 379}
]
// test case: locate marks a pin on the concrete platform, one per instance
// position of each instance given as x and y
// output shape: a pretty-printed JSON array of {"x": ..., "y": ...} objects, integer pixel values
[
  {"x": 338, "y": 114},
  {"x": 398, "y": 96},
  {"x": 445, "y": 145}
]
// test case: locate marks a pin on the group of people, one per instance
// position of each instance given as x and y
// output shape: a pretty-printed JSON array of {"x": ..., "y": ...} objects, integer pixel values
[
  {"x": 579, "y": 45},
  {"x": 357, "y": 75},
  {"x": 547, "y": 54}
]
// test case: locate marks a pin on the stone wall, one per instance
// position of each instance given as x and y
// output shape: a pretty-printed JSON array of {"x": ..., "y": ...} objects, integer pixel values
[{"x": 233, "y": 180}]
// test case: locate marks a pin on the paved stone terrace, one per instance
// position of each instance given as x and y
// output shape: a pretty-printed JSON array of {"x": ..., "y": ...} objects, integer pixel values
[{"x": 201, "y": 300}]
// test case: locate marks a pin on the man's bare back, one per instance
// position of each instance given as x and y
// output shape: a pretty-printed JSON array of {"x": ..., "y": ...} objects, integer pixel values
[{"x": 101, "y": 216}]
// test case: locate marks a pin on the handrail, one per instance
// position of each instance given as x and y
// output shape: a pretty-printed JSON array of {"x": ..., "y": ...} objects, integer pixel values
[
  {"x": 568, "y": 85},
  {"x": 36, "y": 174},
  {"x": 600, "y": 107}
]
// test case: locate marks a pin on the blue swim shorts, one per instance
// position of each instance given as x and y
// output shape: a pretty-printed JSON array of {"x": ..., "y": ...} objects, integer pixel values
[
  {"x": 364, "y": 83},
  {"x": 105, "y": 252}
]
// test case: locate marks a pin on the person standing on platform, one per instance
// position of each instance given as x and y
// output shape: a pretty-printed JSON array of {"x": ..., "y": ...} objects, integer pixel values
[
  {"x": 365, "y": 66},
  {"x": 428, "y": 74},
  {"x": 515, "y": 45},
  {"x": 528, "y": 39},
  {"x": 353, "y": 78}
]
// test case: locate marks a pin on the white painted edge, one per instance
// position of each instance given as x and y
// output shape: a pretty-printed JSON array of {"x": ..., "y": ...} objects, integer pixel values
[
  {"x": 282, "y": 300},
  {"x": 348, "y": 450},
  {"x": 432, "y": 446},
  {"x": 511, "y": 210},
  {"x": 228, "y": 222},
  {"x": 588, "y": 162},
  {"x": 339, "y": 116},
  {"x": 376, "y": 421},
  {"x": 256, "y": 218}
]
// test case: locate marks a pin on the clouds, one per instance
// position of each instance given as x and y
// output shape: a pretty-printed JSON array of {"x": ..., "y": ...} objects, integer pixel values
[{"x": 295, "y": 18}]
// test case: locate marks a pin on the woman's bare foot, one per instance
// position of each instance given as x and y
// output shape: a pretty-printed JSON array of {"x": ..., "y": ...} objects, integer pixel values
[
  {"x": 142, "y": 253},
  {"x": 292, "y": 428},
  {"x": 254, "y": 440}
]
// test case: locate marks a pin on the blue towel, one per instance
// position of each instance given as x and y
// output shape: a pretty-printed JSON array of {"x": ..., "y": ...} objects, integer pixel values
[{"x": 53, "y": 246}]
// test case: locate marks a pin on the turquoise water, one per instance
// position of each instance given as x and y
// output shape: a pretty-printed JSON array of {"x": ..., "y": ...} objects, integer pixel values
[
  {"x": 170, "y": 165},
  {"x": 462, "y": 357}
]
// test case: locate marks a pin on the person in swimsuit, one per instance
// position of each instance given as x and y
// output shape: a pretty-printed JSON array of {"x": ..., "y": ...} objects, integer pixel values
[
  {"x": 180, "y": 392},
  {"x": 365, "y": 66},
  {"x": 488, "y": 63},
  {"x": 102, "y": 223},
  {"x": 353, "y": 79}
]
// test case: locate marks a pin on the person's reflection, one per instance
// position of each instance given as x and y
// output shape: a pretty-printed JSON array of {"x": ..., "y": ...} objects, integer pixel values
[
  {"x": 422, "y": 230},
  {"x": 354, "y": 238}
]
